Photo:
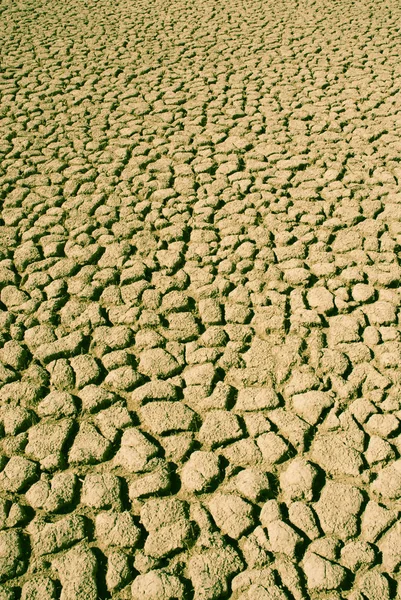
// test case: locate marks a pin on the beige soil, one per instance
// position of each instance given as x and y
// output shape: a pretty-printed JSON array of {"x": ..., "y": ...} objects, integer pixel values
[{"x": 200, "y": 349}]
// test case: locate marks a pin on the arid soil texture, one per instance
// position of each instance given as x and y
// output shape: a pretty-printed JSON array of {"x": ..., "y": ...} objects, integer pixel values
[{"x": 200, "y": 383}]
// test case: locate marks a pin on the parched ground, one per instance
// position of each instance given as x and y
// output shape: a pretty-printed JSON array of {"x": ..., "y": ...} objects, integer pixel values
[{"x": 200, "y": 228}]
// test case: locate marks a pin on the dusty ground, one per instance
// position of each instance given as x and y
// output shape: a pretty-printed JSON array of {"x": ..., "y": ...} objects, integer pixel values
[{"x": 199, "y": 300}]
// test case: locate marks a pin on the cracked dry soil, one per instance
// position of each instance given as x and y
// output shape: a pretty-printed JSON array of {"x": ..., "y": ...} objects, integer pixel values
[{"x": 200, "y": 300}]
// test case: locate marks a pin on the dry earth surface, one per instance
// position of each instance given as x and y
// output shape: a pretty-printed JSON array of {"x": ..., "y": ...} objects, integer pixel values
[{"x": 199, "y": 300}]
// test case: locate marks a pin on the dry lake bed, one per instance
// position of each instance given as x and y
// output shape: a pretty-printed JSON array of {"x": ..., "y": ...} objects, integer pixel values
[{"x": 200, "y": 349}]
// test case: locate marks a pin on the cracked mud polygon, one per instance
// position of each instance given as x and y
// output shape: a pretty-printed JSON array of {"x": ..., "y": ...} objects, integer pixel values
[{"x": 200, "y": 228}]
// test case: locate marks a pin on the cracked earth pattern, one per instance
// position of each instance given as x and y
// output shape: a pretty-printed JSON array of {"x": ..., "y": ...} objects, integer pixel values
[{"x": 200, "y": 300}]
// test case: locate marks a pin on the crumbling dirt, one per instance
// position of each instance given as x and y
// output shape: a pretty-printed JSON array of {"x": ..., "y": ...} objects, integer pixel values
[{"x": 200, "y": 227}]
